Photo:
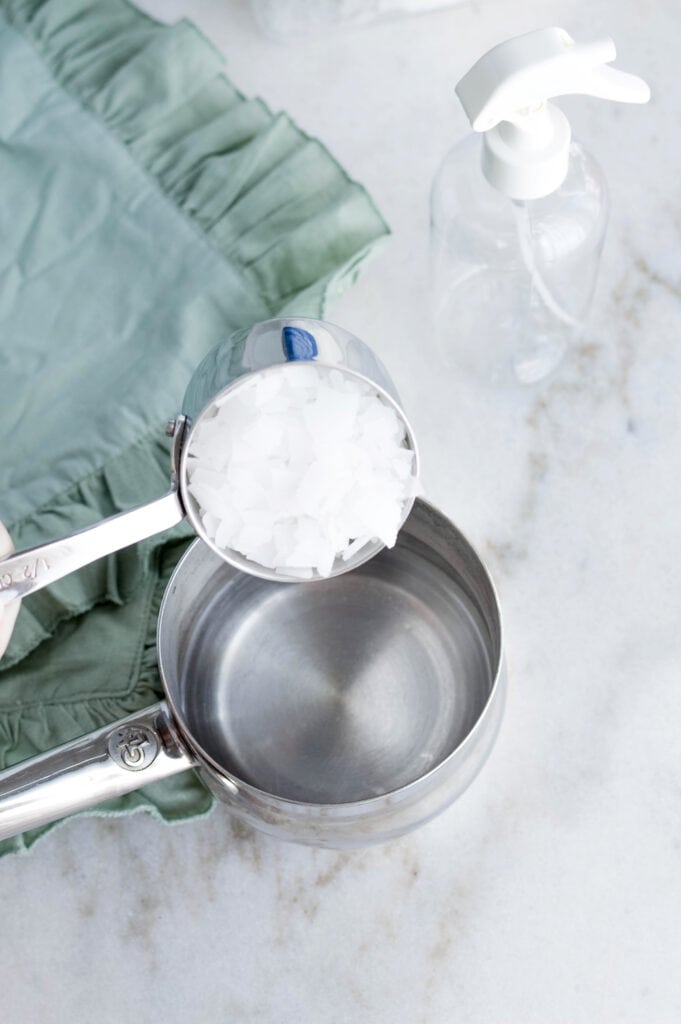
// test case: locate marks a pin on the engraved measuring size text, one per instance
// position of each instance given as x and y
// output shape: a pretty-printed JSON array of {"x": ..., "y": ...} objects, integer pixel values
[{"x": 28, "y": 571}]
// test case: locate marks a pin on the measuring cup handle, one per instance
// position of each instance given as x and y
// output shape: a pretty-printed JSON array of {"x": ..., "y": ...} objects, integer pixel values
[
  {"x": 117, "y": 759},
  {"x": 35, "y": 568}
]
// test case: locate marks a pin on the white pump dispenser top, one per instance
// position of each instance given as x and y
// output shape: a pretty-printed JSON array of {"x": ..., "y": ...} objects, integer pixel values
[{"x": 526, "y": 139}]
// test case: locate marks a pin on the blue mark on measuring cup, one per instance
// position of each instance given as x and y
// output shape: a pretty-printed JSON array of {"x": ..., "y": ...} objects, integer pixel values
[{"x": 298, "y": 344}]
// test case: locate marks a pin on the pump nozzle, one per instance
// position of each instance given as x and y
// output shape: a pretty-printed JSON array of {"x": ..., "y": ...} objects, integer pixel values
[{"x": 526, "y": 156}]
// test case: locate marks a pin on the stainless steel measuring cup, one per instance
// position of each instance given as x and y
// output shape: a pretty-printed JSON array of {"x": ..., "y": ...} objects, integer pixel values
[
  {"x": 264, "y": 349},
  {"x": 335, "y": 715}
]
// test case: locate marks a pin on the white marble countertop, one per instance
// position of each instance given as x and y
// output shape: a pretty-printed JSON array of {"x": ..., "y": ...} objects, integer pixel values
[{"x": 550, "y": 893}]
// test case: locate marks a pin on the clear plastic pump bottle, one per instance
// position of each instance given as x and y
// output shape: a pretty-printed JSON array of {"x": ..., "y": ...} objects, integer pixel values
[{"x": 519, "y": 210}]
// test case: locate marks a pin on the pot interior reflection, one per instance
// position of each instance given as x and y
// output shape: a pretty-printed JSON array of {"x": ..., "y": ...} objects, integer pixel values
[{"x": 339, "y": 692}]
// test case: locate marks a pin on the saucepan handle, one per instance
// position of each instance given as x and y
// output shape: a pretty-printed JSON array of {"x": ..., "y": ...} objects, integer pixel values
[
  {"x": 23, "y": 573},
  {"x": 117, "y": 759}
]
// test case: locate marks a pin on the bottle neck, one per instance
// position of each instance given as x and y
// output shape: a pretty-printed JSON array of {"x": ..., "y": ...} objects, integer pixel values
[{"x": 527, "y": 158}]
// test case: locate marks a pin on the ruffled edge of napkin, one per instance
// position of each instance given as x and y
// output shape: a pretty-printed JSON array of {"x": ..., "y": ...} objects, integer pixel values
[
  {"x": 113, "y": 580},
  {"x": 228, "y": 163}
]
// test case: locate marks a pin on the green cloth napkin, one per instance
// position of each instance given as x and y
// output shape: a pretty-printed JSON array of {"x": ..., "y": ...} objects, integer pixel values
[{"x": 147, "y": 209}]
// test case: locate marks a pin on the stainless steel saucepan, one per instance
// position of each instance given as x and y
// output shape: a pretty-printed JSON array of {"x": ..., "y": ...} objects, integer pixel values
[
  {"x": 226, "y": 370},
  {"x": 335, "y": 715}
]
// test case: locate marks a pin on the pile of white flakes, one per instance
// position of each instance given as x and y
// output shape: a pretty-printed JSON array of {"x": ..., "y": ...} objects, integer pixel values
[{"x": 299, "y": 466}]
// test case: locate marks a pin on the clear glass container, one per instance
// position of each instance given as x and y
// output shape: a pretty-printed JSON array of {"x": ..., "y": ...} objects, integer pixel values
[{"x": 512, "y": 281}]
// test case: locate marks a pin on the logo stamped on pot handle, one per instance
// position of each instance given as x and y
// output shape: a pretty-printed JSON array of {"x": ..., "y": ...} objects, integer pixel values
[{"x": 133, "y": 747}]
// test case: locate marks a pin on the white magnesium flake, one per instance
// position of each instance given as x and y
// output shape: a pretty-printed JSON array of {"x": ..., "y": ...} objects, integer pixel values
[{"x": 299, "y": 467}]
